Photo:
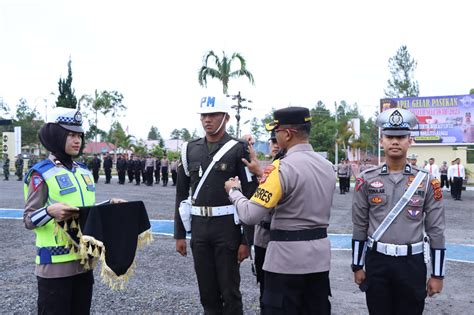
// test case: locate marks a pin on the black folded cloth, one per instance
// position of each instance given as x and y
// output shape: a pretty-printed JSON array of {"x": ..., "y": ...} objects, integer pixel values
[{"x": 112, "y": 233}]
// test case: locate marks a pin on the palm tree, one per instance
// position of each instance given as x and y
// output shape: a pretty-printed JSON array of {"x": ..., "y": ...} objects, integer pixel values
[{"x": 223, "y": 69}]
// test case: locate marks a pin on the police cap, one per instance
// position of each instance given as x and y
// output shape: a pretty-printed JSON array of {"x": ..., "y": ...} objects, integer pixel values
[
  {"x": 272, "y": 135},
  {"x": 396, "y": 122},
  {"x": 289, "y": 116},
  {"x": 412, "y": 156},
  {"x": 69, "y": 119}
]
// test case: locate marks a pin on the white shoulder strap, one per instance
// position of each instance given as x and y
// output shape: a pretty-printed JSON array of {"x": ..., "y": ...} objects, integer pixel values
[
  {"x": 184, "y": 157},
  {"x": 229, "y": 144}
]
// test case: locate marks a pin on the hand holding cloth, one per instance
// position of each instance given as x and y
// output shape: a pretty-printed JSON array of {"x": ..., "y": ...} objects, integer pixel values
[{"x": 112, "y": 233}]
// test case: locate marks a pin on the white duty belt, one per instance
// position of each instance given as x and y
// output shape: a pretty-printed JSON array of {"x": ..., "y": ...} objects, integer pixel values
[
  {"x": 205, "y": 211},
  {"x": 395, "y": 250}
]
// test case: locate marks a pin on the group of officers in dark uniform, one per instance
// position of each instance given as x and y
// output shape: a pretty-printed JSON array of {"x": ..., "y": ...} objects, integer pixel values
[
  {"x": 222, "y": 194},
  {"x": 146, "y": 169}
]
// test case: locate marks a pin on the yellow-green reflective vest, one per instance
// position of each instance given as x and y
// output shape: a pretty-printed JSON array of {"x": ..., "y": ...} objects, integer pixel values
[{"x": 75, "y": 188}]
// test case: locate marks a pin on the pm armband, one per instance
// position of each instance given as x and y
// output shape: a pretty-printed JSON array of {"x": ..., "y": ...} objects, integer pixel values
[
  {"x": 438, "y": 260},
  {"x": 359, "y": 249}
]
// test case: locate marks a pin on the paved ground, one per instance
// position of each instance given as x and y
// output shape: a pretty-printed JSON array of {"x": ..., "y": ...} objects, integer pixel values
[{"x": 165, "y": 282}]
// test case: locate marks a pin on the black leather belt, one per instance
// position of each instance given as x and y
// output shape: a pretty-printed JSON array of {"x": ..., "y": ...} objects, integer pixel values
[
  {"x": 265, "y": 225},
  {"x": 300, "y": 235}
]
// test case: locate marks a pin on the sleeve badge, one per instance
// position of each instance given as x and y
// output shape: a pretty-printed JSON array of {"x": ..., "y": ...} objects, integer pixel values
[
  {"x": 437, "y": 193},
  {"x": 266, "y": 173},
  {"x": 360, "y": 181},
  {"x": 36, "y": 181}
]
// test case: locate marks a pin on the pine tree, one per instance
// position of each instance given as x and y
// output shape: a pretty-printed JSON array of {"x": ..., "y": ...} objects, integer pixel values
[
  {"x": 402, "y": 67},
  {"x": 66, "y": 96}
]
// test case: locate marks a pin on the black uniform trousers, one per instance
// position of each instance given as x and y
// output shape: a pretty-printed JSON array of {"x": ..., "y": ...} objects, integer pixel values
[
  {"x": 130, "y": 174},
  {"x": 95, "y": 173},
  {"x": 214, "y": 244},
  {"x": 259, "y": 260},
  {"x": 395, "y": 285},
  {"x": 108, "y": 175},
  {"x": 444, "y": 181},
  {"x": 138, "y": 174},
  {"x": 174, "y": 176},
  {"x": 149, "y": 176},
  {"x": 157, "y": 175},
  {"x": 297, "y": 294},
  {"x": 344, "y": 184},
  {"x": 69, "y": 295},
  {"x": 121, "y": 176},
  {"x": 456, "y": 188},
  {"x": 164, "y": 175}
]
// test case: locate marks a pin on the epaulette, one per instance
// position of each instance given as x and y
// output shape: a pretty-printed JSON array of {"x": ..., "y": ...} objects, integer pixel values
[
  {"x": 82, "y": 165},
  {"x": 372, "y": 169},
  {"x": 193, "y": 140},
  {"x": 416, "y": 168},
  {"x": 40, "y": 167}
]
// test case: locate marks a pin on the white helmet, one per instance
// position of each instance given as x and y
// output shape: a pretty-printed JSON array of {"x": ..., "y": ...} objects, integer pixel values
[{"x": 215, "y": 103}]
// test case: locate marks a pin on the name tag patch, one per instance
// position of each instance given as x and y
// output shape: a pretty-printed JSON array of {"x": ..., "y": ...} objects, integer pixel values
[{"x": 67, "y": 191}]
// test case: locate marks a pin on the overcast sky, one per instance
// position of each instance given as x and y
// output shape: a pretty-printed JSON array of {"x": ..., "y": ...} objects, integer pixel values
[{"x": 298, "y": 51}]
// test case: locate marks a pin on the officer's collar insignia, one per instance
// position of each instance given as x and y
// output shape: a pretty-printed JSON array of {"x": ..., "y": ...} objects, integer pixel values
[
  {"x": 384, "y": 169},
  {"x": 407, "y": 169},
  {"x": 64, "y": 181}
]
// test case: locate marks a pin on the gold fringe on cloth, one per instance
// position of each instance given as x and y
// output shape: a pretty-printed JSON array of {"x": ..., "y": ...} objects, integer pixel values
[{"x": 92, "y": 250}]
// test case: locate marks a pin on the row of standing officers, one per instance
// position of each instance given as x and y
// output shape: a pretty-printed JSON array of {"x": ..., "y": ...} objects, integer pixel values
[
  {"x": 147, "y": 169},
  {"x": 221, "y": 194}
]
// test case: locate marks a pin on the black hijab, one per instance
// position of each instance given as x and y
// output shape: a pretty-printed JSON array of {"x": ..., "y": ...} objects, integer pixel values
[{"x": 53, "y": 137}]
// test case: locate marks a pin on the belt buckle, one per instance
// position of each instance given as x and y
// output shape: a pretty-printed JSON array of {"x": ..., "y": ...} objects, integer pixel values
[
  {"x": 391, "y": 250},
  {"x": 206, "y": 211}
]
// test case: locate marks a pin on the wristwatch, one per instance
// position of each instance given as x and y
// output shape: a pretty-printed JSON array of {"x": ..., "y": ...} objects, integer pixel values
[{"x": 232, "y": 189}]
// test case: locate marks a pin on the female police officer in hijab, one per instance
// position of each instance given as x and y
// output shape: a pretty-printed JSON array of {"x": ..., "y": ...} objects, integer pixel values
[{"x": 54, "y": 189}]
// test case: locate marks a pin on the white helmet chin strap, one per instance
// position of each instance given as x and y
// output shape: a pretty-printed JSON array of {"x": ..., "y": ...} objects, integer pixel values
[{"x": 220, "y": 126}]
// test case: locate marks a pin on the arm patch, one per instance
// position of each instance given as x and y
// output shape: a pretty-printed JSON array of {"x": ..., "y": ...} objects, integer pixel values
[{"x": 269, "y": 192}]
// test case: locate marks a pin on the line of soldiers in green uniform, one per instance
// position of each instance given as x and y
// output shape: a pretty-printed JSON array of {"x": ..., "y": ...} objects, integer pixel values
[{"x": 19, "y": 166}]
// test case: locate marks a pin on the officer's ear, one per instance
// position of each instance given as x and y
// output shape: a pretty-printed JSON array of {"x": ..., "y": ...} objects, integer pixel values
[{"x": 227, "y": 117}]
